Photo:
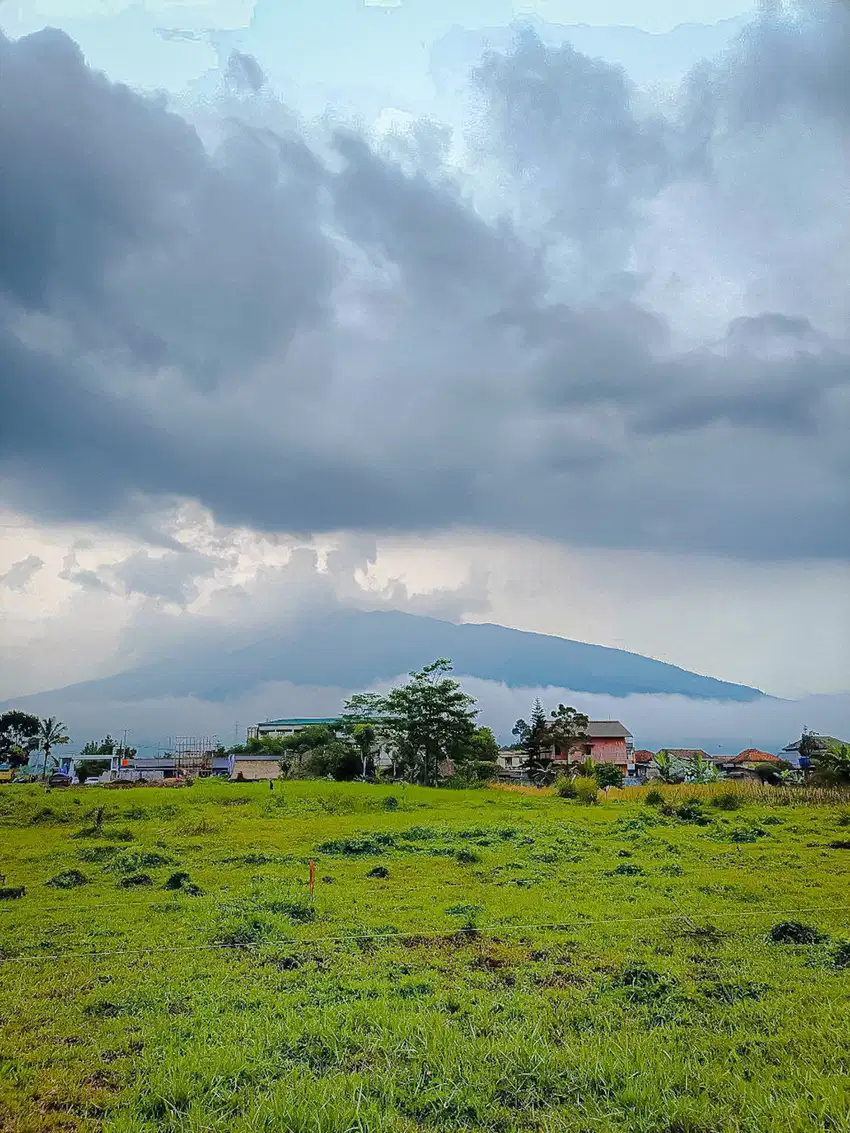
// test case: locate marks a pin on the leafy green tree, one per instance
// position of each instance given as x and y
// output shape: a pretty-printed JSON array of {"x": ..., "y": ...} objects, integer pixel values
[
  {"x": 479, "y": 760},
  {"x": 832, "y": 762},
  {"x": 607, "y": 775},
  {"x": 426, "y": 721},
  {"x": 365, "y": 739},
  {"x": 106, "y": 746},
  {"x": 19, "y": 732},
  {"x": 535, "y": 741},
  {"x": 51, "y": 733},
  {"x": 669, "y": 768},
  {"x": 701, "y": 770},
  {"x": 568, "y": 733}
]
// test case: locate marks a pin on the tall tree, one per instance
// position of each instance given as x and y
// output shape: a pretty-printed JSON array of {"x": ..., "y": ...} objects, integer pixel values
[
  {"x": 51, "y": 733},
  {"x": 478, "y": 762},
  {"x": 365, "y": 739},
  {"x": 18, "y": 737},
  {"x": 426, "y": 721},
  {"x": 535, "y": 740},
  {"x": 568, "y": 732}
]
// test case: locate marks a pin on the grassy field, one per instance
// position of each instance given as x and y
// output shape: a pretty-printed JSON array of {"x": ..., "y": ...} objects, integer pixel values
[{"x": 481, "y": 960}]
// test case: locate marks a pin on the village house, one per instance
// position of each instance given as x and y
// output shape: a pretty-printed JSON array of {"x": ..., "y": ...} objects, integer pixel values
[
  {"x": 609, "y": 741},
  {"x": 743, "y": 765}
]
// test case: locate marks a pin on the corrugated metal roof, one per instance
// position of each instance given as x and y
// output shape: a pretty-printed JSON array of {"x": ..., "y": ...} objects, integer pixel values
[
  {"x": 607, "y": 729},
  {"x": 299, "y": 722}
]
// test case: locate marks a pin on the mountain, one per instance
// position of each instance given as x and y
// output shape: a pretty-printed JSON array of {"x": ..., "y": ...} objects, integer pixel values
[{"x": 353, "y": 649}]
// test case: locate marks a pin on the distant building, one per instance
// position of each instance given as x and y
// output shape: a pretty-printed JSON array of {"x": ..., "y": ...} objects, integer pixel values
[
  {"x": 609, "y": 742},
  {"x": 743, "y": 765},
  {"x": 290, "y": 727}
]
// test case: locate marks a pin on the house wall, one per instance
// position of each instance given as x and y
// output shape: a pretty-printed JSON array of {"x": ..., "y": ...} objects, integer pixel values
[
  {"x": 255, "y": 769},
  {"x": 609, "y": 751}
]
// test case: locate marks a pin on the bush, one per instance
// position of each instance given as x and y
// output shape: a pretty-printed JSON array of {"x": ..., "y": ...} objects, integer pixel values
[
  {"x": 12, "y": 892},
  {"x": 626, "y": 869},
  {"x": 727, "y": 800},
  {"x": 654, "y": 797},
  {"x": 607, "y": 775},
  {"x": 177, "y": 880},
  {"x": 68, "y": 879},
  {"x": 841, "y": 955},
  {"x": 134, "y": 880},
  {"x": 587, "y": 790},
  {"x": 689, "y": 810},
  {"x": 793, "y": 932},
  {"x": 565, "y": 788},
  {"x": 379, "y": 871},
  {"x": 467, "y": 857}
]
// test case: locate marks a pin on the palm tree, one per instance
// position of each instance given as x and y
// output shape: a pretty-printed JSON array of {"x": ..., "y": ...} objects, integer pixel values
[{"x": 51, "y": 732}]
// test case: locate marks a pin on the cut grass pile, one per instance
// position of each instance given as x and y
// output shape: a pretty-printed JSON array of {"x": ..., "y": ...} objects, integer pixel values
[{"x": 496, "y": 961}]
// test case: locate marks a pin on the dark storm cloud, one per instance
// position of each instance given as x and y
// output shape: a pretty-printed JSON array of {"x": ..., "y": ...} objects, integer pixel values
[{"x": 309, "y": 341}]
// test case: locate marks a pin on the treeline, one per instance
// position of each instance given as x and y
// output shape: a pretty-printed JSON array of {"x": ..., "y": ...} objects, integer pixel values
[{"x": 421, "y": 731}]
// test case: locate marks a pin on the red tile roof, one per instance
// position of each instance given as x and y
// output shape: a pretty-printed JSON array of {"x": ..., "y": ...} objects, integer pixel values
[
  {"x": 753, "y": 755},
  {"x": 643, "y": 756}
]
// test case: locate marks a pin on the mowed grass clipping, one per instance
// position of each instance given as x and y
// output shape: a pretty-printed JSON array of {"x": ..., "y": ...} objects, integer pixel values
[{"x": 485, "y": 960}]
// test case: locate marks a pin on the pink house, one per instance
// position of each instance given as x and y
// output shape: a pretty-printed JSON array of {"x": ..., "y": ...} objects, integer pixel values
[{"x": 610, "y": 742}]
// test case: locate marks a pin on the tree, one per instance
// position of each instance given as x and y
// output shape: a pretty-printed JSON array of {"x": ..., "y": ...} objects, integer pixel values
[
  {"x": 568, "y": 732},
  {"x": 365, "y": 738},
  {"x": 18, "y": 737},
  {"x": 51, "y": 733},
  {"x": 106, "y": 747},
  {"x": 607, "y": 775},
  {"x": 832, "y": 762},
  {"x": 700, "y": 770},
  {"x": 669, "y": 768},
  {"x": 535, "y": 741},
  {"x": 426, "y": 721},
  {"x": 479, "y": 760}
]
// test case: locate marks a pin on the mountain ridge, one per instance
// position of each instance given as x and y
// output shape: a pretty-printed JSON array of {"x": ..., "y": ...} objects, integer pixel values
[{"x": 350, "y": 648}]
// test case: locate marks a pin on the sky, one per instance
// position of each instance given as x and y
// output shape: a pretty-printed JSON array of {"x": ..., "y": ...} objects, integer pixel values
[{"x": 553, "y": 349}]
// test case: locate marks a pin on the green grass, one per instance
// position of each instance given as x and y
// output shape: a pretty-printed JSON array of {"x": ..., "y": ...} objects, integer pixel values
[{"x": 519, "y": 963}]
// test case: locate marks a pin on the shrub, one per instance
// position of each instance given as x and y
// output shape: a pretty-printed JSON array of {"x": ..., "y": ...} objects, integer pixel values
[
  {"x": 747, "y": 834},
  {"x": 12, "y": 892},
  {"x": 841, "y": 955},
  {"x": 793, "y": 932},
  {"x": 587, "y": 790},
  {"x": 607, "y": 775},
  {"x": 727, "y": 800},
  {"x": 135, "y": 862},
  {"x": 654, "y": 797},
  {"x": 467, "y": 857},
  {"x": 97, "y": 853},
  {"x": 626, "y": 869},
  {"x": 177, "y": 880},
  {"x": 390, "y": 803},
  {"x": 358, "y": 847},
  {"x": 565, "y": 788},
  {"x": 134, "y": 880},
  {"x": 689, "y": 810},
  {"x": 243, "y": 930},
  {"x": 294, "y": 906},
  {"x": 379, "y": 871},
  {"x": 68, "y": 879}
]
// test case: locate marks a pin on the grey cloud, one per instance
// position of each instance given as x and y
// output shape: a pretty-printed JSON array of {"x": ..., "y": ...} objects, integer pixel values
[
  {"x": 173, "y": 576},
  {"x": 19, "y": 574},
  {"x": 313, "y": 337}
]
